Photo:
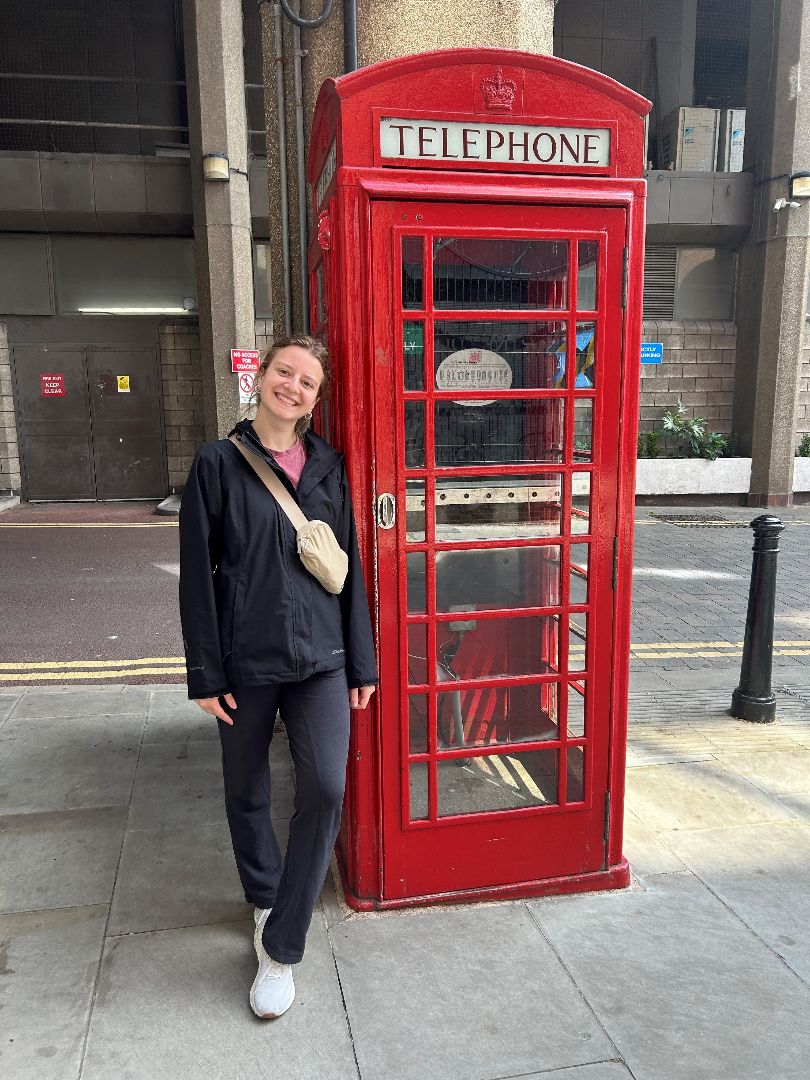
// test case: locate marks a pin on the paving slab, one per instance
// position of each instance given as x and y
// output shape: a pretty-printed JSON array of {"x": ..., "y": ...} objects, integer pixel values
[
  {"x": 175, "y": 1004},
  {"x": 64, "y": 858},
  {"x": 762, "y": 872},
  {"x": 172, "y": 718},
  {"x": 7, "y": 703},
  {"x": 682, "y": 987},
  {"x": 646, "y": 851},
  {"x": 180, "y": 783},
  {"x": 799, "y": 804},
  {"x": 697, "y": 795},
  {"x": 65, "y": 763},
  {"x": 603, "y": 1070},
  {"x": 468, "y": 993},
  {"x": 48, "y": 964},
  {"x": 173, "y": 877},
  {"x": 78, "y": 700},
  {"x": 776, "y": 772}
]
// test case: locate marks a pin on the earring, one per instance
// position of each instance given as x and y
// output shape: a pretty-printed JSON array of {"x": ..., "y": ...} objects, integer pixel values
[{"x": 309, "y": 416}]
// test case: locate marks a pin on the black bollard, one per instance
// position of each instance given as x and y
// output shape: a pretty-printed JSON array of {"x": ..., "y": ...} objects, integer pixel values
[{"x": 753, "y": 699}]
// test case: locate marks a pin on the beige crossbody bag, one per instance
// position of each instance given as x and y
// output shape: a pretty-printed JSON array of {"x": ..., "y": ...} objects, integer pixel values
[{"x": 317, "y": 545}]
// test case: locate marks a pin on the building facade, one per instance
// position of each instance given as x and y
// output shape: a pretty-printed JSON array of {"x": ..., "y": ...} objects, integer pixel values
[{"x": 126, "y": 276}]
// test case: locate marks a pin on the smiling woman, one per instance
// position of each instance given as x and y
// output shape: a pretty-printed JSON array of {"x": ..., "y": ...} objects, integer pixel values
[{"x": 262, "y": 635}]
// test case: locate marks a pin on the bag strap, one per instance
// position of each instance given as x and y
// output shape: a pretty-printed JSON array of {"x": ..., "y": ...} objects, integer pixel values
[{"x": 273, "y": 485}]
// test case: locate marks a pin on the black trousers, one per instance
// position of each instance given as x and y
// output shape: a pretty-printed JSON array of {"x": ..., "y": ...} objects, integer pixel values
[{"x": 316, "y": 715}]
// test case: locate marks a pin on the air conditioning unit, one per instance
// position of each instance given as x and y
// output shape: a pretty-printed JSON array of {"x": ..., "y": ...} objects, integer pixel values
[
  {"x": 689, "y": 137},
  {"x": 731, "y": 144}
]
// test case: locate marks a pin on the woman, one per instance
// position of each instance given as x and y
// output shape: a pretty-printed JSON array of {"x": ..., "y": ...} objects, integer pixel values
[{"x": 261, "y": 635}]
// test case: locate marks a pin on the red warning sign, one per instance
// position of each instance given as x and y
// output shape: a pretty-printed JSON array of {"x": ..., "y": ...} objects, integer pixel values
[
  {"x": 52, "y": 385},
  {"x": 244, "y": 360}
]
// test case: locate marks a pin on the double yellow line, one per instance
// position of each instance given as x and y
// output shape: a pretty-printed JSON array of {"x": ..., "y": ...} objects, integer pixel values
[
  {"x": 82, "y": 670},
  {"x": 683, "y": 650}
]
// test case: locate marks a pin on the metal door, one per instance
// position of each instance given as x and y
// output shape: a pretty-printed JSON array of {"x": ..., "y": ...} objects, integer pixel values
[
  {"x": 127, "y": 437},
  {"x": 498, "y": 365},
  {"x": 90, "y": 422}
]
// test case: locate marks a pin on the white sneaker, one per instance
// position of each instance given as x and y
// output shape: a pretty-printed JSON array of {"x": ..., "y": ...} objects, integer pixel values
[
  {"x": 273, "y": 990},
  {"x": 260, "y": 916}
]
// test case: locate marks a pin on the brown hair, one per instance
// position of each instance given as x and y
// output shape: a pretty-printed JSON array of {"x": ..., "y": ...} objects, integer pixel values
[{"x": 315, "y": 348}]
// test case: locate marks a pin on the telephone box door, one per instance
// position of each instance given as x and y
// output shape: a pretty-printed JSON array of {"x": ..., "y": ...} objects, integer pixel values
[{"x": 497, "y": 397}]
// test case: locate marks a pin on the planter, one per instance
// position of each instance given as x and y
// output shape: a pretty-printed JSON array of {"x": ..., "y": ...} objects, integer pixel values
[
  {"x": 801, "y": 474},
  {"x": 693, "y": 476}
]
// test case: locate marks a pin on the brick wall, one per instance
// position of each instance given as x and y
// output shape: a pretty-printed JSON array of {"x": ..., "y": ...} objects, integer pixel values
[
  {"x": 698, "y": 368},
  {"x": 182, "y": 392},
  {"x": 803, "y": 414},
  {"x": 9, "y": 449}
]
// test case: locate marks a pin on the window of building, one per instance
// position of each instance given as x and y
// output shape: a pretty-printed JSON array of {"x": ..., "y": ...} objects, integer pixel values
[
  {"x": 262, "y": 293},
  {"x": 25, "y": 286},
  {"x": 124, "y": 275},
  {"x": 688, "y": 282}
]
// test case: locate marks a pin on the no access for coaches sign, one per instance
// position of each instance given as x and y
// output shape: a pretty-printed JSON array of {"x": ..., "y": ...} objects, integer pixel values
[{"x": 244, "y": 360}]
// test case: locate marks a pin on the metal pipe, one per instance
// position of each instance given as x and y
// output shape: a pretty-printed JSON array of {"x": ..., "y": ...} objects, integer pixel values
[
  {"x": 284, "y": 200},
  {"x": 350, "y": 61},
  {"x": 308, "y": 24},
  {"x": 301, "y": 178},
  {"x": 754, "y": 699}
]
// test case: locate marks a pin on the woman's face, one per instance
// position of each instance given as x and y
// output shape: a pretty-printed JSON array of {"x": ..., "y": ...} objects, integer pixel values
[{"x": 291, "y": 384}]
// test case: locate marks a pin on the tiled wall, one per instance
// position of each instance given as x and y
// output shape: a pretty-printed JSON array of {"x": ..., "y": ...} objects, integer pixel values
[
  {"x": 698, "y": 369},
  {"x": 9, "y": 451}
]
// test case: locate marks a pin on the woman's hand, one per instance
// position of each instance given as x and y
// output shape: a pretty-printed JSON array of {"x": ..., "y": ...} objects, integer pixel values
[
  {"x": 359, "y": 697},
  {"x": 212, "y": 706}
]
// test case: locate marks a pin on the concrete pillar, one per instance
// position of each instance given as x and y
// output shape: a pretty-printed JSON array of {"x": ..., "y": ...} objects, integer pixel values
[
  {"x": 384, "y": 30},
  {"x": 775, "y": 260},
  {"x": 222, "y": 238}
]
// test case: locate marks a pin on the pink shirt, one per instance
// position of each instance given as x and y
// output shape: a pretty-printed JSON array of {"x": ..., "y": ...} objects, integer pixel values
[{"x": 292, "y": 461}]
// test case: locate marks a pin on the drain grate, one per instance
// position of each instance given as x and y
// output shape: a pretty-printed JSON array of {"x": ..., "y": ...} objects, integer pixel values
[{"x": 700, "y": 521}]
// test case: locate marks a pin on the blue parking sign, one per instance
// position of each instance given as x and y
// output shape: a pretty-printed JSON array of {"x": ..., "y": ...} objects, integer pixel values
[{"x": 652, "y": 352}]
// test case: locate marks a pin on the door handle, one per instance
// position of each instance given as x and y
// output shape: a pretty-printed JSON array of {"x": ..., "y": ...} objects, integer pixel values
[{"x": 386, "y": 511}]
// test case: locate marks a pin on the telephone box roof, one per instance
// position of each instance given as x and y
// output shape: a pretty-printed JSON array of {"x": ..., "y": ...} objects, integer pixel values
[{"x": 458, "y": 83}]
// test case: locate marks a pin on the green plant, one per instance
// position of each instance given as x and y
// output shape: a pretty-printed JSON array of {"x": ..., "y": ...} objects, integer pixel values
[
  {"x": 804, "y": 446},
  {"x": 692, "y": 434},
  {"x": 648, "y": 444}
]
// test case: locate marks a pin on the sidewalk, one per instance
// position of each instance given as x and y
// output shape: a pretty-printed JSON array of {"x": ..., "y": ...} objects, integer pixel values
[{"x": 126, "y": 952}]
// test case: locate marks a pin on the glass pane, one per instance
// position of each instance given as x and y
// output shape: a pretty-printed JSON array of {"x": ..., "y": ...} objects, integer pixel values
[
  {"x": 497, "y": 782},
  {"x": 415, "y": 562},
  {"x": 414, "y": 435},
  {"x": 417, "y": 723},
  {"x": 576, "y": 710},
  {"x": 490, "y": 648},
  {"x": 412, "y": 290},
  {"x": 415, "y": 511},
  {"x": 499, "y": 273},
  {"x": 320, "y": 286},
  {"x": 586, "y": 275},
  {"x": 124, "y": 275},
  {"x": 583, "y": 429},
  {"x": 575, "y": 791},
  {"x": 419, "y": 791},
  {"x": 577, "y": 640},
  {"x": 417, "y": 653},
  {"x": 585, "y": 348},
  {"x": 580, "y": 503},
  {"x": 579, "y": 574},
  {"x": 498, "y": 506},
  {"x": 498, "y": 578},
  {"x": 499, "y": 355},
  {"x": 413, "y": 350},
  {"x": 499, "y": 433},
  {"x": 493, "y": 717}
]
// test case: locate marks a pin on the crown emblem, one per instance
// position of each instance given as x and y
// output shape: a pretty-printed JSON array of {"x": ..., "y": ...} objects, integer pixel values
[{"x": 499, "y": 93}]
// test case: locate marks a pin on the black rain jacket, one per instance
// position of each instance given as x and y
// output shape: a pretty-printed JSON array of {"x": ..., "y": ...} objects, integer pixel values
[{"x": 251, "y": 613}]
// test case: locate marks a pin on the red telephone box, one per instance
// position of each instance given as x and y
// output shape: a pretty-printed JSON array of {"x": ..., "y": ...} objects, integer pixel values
[{"x": 477, "y": 274}]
